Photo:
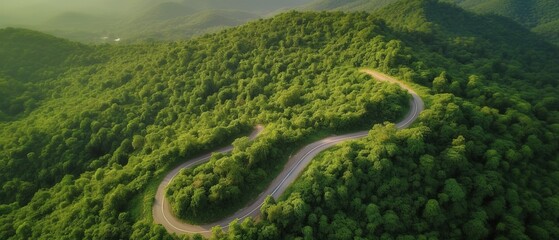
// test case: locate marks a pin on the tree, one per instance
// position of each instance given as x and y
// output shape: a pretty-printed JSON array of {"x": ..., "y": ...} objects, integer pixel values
[
  {"x": 475, "y": 229},
  {"x": 391, "y": 221},
  {"x": 24, "y": 231},
  {"x": 433, "y": 212},
  {"x": 453, "y": 189},
  {"x": 138, "y": 142},
  {"x": 440, "y": 83}
]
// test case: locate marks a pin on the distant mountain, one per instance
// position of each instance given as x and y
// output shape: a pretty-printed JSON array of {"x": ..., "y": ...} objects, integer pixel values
[
  {"x": 135, "y": 20},
  {"x": 427, "y": 16},
  {"x": 216, "y": 18},
  {"x": 345, "y": 5},
  {"x": 79, "y": 21},
  {"x": 541, "y": 16},
  {"x": 256, "y": 6},
  {"x": 186, "y": 26},
  {"x": 89, "y": 21},
  {"x": 164, "y": 11}
]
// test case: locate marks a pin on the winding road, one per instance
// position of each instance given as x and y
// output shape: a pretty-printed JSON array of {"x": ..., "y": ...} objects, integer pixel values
[{"x": 163, "y": 215}]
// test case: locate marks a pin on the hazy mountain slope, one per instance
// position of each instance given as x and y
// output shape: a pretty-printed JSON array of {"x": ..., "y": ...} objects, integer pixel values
[
  {"x": 74, "y": 21},
  {"x": 352, "y": 5},
  {"x": 256, "y": 6},
  {"x": 36, "y": 12},
  {"x": 216, "y": 18},
  {"x": 164, "y": 11},
  {"x": 129, "y": 20},
  {"x": 185, "y": 27},
  {"x": 331, "y": 4}
]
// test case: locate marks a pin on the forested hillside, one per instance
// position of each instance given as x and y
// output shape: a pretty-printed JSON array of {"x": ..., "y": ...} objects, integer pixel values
[
  {"x": 540, "y": 16},
  {"x": 82, "y": 164},
  {"x": 29, "y": 61},
  {"x": 481, "y": 164},
  {"x": 84, "y": 160}
]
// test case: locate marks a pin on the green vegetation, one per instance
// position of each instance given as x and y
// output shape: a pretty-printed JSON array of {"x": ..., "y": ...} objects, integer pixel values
[
  {"x": 103, "y": 21},
  {"x": 482, "y": 163},
  {"x": 106, "y": 129},
  {"x": 540, "y": 16},
  {"x": 319, "y": 95},
  {"x": 96, "y": 128},
  {"x": 29, "y": 63}
]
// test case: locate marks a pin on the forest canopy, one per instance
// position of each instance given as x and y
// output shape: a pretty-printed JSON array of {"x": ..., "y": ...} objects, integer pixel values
[{"x": 96, "y": 128}]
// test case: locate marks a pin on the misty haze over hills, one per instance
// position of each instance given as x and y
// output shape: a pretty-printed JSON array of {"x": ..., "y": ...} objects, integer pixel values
[
  {"x": 132, "y": 20},
  {"x": 104, "y": 20}
]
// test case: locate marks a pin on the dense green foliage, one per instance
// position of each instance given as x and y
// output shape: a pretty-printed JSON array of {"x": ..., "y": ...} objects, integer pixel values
[
  {"x": 105, "y": 130},
  {"x": 482, "y": 162},
  {"x": 319, "y": 96},
  {"x": 530, "y": 13},
  {"x": 29, "y": 62},
  {"x": 540, "y": 16}
]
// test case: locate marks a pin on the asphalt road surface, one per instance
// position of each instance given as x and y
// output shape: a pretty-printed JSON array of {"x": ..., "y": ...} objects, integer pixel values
[{"x": 163, "y": 215}]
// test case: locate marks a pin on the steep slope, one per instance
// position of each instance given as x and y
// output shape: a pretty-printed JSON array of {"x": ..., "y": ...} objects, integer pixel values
[
  {"x": 539, "y": 15},
  {"x": 25, "y": 54},
  {"x": 529, "y": 13},
  {"x": 28, "y": 62},
  {"x": 468, "y": 33}
]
